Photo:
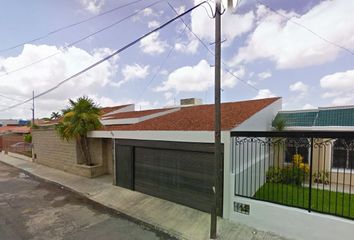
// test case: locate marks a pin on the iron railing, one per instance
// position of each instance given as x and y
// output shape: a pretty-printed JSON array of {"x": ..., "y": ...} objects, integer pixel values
[{"x": 311, "y": 170}]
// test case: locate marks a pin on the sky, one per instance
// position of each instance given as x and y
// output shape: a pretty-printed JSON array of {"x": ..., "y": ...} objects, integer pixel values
[{"x": 302, "y": 51}]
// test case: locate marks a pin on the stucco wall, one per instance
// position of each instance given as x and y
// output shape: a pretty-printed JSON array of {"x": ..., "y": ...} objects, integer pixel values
[{"x": 51, "y": 151}]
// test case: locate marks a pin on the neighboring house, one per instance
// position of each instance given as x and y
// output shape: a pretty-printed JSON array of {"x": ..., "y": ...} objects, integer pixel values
[
  {"x": 335, "y": 156},
  {"x": 167, "y": 153},
  {"x": 10, "y": 135},
  {"x": 13, "y": 122}
]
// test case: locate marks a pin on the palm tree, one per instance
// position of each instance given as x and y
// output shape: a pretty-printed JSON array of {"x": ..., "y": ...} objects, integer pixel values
[
  {"x": 80, "y": 117},
  {"x": 55, "y": 115}
]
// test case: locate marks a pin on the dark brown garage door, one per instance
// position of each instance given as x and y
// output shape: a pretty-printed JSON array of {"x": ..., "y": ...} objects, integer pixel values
[{"x": 178, "y": 172}]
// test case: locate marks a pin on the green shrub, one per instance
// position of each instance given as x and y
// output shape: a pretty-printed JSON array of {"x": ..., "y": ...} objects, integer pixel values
[
  {"x": 274, "y": 175},
  {"x": 27, "y": 138},
  {"x": 296, "y": 173}
]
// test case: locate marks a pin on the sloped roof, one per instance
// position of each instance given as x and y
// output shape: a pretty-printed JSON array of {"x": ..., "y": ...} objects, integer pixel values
[
  {"x": 15, "y": 129},
  {"x": 106, "y": 110},
  {"x": 321, "y": 117},
  {"x": 200, "y": 117},
  {"x": 135, "y": 114}
]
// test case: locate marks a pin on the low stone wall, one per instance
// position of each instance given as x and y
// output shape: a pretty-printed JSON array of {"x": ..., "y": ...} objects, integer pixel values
[{"x": 50, "y": 150}]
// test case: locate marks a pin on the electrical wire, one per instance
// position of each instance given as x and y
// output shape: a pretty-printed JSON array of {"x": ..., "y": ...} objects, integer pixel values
[
  {"x": 105, "y": 58},
  {"x": 68, "y": 26},
  {"x": 306, "y": 28},
  {"x": 82, "y": 39},
  {"x": 226, "y": 67},
  {"x": 10, "y": 98},
  {"x": 161, "y": 65}
]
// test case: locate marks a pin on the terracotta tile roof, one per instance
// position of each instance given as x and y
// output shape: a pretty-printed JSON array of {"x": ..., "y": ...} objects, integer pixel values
[
  {"x": 15, "y": 129},
  {"x": 135, "y": 114},
  {"x": 200, "y": 118},
  {"x": 106, "y": 110}
]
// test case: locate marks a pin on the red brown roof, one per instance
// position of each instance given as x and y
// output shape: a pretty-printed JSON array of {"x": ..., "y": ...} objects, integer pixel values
[
  {"x": 135, "y": 114},
  {"x": 200, "y": 118},
  {"x": 15, "y": 129},
  {"x": 106, "y": 110}
]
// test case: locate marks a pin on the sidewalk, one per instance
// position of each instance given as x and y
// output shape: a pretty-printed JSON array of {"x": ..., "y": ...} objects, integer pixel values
[{"x": 172, "y": 218}]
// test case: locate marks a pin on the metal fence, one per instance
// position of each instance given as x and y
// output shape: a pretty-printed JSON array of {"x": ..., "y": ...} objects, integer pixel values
[{"x": 308, "y": 170}]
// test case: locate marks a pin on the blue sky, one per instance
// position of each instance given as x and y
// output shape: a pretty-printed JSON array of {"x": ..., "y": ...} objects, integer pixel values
[{"x": 269, "y": 52}]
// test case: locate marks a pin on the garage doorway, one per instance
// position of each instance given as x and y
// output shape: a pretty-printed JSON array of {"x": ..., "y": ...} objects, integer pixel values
[{"x": 174, "y": 171}]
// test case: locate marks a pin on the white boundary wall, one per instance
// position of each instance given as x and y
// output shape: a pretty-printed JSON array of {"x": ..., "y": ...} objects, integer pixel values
[
  {"x": 289, "y": 222},
  {"x": 293, "y": 223}
]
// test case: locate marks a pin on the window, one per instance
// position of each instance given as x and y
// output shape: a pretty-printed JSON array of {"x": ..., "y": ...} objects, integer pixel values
[
  {"x": 299, "y": 146},
  {"x": 343, "y": 155}
]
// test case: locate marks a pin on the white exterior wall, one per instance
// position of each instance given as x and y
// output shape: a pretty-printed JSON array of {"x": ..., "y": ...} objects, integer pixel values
[
  {"x": 261, "y": 121},
  {"x": 293, "y": 223}
]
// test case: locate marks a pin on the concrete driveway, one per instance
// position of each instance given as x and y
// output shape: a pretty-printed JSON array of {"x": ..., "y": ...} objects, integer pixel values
[{"x": 31, "y": 209}]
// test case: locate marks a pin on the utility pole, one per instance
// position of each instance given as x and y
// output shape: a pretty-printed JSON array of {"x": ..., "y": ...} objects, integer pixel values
[
  {"x": 32, "y": 108},
  {"x": 217, "y": 106}
]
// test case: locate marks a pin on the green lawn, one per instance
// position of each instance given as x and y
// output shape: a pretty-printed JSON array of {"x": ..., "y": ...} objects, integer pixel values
[{"x": 322, "y": 200}]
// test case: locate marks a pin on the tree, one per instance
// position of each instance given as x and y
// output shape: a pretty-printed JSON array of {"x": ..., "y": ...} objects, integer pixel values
[
  {"x": 79, "y": 118},
  {"x": 279, "y": 124},
  {"x": 55, "y": 115}
]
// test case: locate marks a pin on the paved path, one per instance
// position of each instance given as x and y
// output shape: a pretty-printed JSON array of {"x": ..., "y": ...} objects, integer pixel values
[
  {"x": 31, "y": 209},
  {"x": 174, "y": 219}
]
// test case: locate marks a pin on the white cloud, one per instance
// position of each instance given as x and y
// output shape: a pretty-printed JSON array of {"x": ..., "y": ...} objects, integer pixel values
[
  {"x": 230, "y": 81},
  {"x": 153, "y": 24},
  {"x": 163, "y": 72},
  {"x": 168, "y": 95},
  {"x": 308, "y": 106},
  {"x": 340, "y": 101},
  {"x": 299, "y": 87},
  {"x": 132, "y": 72},
  {"x": 233, "y": 25},
  {"x": 197, "y": 78},
  {"x": 92, "y": 6},
  {"x": 50, "y": 72},
  {"x": 187, "y": 47},
  {"x": 340, "y": 81},
  {"x": 339, "y": 86},
  {"x": 291, "y": 46},
  {"x": 189, "y": 78},
  {"x": 181, "y": 9},
  {"x": 264, "y": 75},
  {"x": 264, "y": 93},
  {"x": 147, "y": 12},
  {"x": 153, "y": 45}
]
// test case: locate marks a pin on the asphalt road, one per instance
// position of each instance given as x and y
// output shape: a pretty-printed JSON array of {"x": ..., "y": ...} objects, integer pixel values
[{"x": 32, "y": 209}]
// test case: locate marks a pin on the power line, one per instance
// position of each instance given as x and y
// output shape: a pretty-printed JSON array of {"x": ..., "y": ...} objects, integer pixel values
[
  {"x": 105, "y": 58},
  {"x": 226, "y": 67},
  {"x": 10, "y": 98},
  {"x": 68, "y": 26},
  {"x": 161, "y": 65},
  {"x": 306, "y": 28},
  {"x": 81, "y": 39}
]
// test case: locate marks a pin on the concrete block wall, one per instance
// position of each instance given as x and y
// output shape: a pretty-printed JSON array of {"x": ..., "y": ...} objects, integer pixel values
[
  {"x": 54, "y": 152},
  {"x": 50, "y": 150}
]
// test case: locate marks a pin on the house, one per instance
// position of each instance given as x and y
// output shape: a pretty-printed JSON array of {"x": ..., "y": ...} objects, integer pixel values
[
  {"x": 10, "y": 135},
  {"x": 167, "y": 152},
  {"x": 338, "y": 154}
]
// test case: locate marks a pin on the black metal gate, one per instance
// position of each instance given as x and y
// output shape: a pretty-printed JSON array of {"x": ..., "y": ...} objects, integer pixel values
[{"x": 312, "y": 170}]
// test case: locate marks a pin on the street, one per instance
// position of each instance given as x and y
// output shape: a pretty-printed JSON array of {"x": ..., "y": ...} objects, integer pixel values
[{"x": 31, "y": 209}]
